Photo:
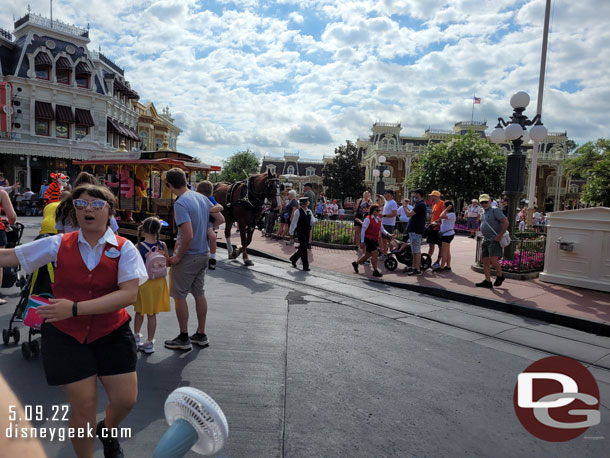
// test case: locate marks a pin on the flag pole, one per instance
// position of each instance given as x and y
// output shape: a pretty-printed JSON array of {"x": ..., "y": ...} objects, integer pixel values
[
  {"x": 472, "y": 115},
  {"x": 534, "y": 165}
]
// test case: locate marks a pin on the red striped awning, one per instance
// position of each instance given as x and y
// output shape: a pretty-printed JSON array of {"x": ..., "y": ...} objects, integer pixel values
[
  {"x": 42, "y": 58},
  {"x": 63, "y": 63},
  {"x": 83, "y": 68},
  {"x": 44, "y": 110},
  {"x": 84, "y": 118},
  {"x": 131, "y": 133},
  {"x": 64, "y": 114}
]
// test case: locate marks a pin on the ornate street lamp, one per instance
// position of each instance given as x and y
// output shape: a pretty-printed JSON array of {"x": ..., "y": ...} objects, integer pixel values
[
  {"x": 381, "y": 171},
  {"x": 517, "y": 134}
]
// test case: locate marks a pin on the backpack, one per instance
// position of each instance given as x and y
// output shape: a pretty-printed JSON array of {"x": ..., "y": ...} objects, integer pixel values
[{"x": 156, "y": 264}]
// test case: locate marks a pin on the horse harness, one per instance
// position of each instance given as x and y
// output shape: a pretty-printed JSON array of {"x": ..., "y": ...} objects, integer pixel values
[{"x": 247, "y": 196}]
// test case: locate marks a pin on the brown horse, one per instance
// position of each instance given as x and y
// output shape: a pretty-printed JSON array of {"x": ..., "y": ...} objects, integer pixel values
[{"x": 243, "y": 203}]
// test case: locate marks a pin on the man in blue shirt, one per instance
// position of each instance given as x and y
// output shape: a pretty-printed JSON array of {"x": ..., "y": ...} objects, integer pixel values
[
  {"x": 189, "y": 260},
  {"x": 416, "y": 228}
]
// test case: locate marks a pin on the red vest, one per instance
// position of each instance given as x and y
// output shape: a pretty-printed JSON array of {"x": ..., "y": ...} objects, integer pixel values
[
  {"x": 372, "y": 232},
  {"x": 75, "y": 282}
]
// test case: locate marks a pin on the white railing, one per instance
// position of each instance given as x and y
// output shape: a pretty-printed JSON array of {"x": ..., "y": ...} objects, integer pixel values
[{"x": 57, "y": 25}]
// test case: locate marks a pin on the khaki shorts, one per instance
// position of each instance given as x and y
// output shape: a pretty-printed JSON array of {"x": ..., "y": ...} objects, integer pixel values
[
  {"x": 490, "y": 249},
  {"x": 188, "y": 276}
]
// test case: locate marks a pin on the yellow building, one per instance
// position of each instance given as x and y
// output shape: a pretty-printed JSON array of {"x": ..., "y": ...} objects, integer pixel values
[
  {"x": 154, "y": 129},
  {"x": 553, "y": 190}
]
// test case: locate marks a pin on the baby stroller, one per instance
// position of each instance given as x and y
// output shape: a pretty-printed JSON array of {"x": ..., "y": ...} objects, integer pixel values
[
  {"x": 13, "y": 238},
  {"x": 40, "y": 283},
  {"x": 405, "y": 256}
]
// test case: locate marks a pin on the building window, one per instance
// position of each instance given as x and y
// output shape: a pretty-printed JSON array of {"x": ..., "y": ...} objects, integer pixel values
[
  {"x": 43, "y": 72},
  {"x": 310, "y": 172},
  {"x": 62, "y": 130},
  {"x": 143, "y": 141},
  {"x": 82, "y": 80},
  {"x": 271, "y": 168},
  {"x": 42, "y": 127},
  {"x": 81, "y": 131},
  {"x": 63, "y": 76},
  {"x": 158, "y": 144},
  {"x": 290, "y": 170}
]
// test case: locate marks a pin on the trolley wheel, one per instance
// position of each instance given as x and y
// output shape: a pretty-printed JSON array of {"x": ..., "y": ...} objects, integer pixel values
[
  {"x": 390, "y": 263},
  {"x": 426, "y": 261},
  {"x": 26, "y": 351},
  {"x": 35, "y": 347},
  {"x": 28, "y": 212},
  {"x": 6, "y": 336},
  {"x": 16, "y": 334}
]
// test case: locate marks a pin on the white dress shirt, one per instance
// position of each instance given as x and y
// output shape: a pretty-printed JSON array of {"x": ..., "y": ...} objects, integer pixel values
[
  {"x": 40, "y": 252},
  {"x": 295, "y": 220}
]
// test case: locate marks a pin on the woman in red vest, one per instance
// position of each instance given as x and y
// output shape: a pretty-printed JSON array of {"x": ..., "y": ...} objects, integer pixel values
[
  {"x": 86, "y": 334},
  {"x": 369, "y": 236}
]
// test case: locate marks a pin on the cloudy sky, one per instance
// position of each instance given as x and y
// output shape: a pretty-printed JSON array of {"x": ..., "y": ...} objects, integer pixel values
[{"x": 305, "y": 75}]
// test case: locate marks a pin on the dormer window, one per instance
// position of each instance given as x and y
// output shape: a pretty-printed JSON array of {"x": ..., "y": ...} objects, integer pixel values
[
  {"x": 271, "y": 168},
  {"x": 63, "y": 70},
  {"x": 42, "y": 66},
  {"x": 290, "y": 170},
  {"x": 310, "y": 171},
  {"x": 83, "y": 74}
]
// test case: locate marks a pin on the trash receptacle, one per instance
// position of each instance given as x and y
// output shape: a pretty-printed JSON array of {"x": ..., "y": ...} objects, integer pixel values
[{"x": 577, "y": 249}]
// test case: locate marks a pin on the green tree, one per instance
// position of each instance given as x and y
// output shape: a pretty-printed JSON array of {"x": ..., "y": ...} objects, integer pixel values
[
  {"x": 585, "y": 157},
  {"x": 592, "y": 162},
  {"x": 462, "y": 167},
  {"x": 239, "y": 166},
  {"x": 344, "y": 176}
]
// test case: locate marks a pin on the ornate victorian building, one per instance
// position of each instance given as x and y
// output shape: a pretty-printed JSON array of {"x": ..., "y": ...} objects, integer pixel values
[
  {"x": 62, "y": 101},
  {"x": 295, "y": 172},
  {"x": 155, "y": 128},
  {"x": 552, "y": 189}
]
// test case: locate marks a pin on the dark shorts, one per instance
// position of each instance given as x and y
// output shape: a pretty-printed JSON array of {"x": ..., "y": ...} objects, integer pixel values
[
  {"x": 490, "y": 249},
  {"x": 2, "y": 238},
  {"x": 371, "y": 245},
  {"x": 66, "y": 360},
  {"x": 389, "y": 229},
  {"x": 447, "y": 238},
  {"x": 434, "y": 237}
]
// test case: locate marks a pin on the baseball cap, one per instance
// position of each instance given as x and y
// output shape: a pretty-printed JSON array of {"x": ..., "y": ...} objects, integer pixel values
[
  {"x": 484, "y": 198},
  {"x": 435, "y": 193}
]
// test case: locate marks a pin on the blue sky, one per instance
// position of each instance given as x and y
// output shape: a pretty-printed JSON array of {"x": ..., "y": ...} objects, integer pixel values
[{"x": 305, "y": 75}]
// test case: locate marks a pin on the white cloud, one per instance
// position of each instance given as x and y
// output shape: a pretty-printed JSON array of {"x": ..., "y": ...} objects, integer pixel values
[{"x": 240, "y": 73}]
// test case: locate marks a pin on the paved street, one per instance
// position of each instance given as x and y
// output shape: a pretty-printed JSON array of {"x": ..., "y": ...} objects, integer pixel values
[{"x": 332, "y": 365}]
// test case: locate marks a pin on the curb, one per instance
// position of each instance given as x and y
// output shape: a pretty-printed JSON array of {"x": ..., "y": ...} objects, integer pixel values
[
  {"x": 591, "y": 326},
  {"x": 511, "y": 275}
]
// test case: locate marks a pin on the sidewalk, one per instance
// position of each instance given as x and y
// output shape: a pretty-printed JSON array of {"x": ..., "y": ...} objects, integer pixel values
[{"x": 573, "y": 307}]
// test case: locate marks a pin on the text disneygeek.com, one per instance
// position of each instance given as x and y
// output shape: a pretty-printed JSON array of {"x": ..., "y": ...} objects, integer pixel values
[{"x": 59, "y": 433}]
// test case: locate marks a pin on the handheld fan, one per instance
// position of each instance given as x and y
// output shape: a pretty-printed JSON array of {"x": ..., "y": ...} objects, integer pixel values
[{"x": 196, "y": 422}]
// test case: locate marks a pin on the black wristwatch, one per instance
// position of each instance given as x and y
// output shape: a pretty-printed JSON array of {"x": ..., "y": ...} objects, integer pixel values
[{"x": 74, "y": 308}]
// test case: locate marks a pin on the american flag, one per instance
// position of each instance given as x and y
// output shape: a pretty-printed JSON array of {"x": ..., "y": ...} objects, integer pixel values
[{"x": 477, "y": 100}]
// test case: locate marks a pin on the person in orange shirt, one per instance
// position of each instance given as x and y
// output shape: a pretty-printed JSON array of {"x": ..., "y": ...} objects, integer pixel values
[{"x": 434, "y": 237}]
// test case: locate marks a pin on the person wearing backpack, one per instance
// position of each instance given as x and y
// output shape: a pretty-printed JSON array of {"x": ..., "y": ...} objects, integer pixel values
[{"x": 153, "y": 295}]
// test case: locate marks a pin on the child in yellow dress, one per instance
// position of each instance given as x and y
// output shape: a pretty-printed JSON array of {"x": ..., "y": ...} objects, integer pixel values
[{"x": 153, "y": 295}]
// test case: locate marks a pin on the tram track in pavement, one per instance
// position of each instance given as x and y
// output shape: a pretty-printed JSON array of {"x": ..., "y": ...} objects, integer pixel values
[{"x": 481, "y": 326}]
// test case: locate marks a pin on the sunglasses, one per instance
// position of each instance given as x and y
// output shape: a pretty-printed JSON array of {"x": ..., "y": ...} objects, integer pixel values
[
  {"x": 484, "y": 202},
  {"x": 81, "y": 204}
]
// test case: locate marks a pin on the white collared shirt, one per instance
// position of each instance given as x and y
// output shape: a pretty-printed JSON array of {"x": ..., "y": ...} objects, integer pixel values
[{"x": 40, "y": 252}]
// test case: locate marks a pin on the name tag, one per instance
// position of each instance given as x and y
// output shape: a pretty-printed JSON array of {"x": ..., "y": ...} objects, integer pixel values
[{"x": 113, "y": 253}]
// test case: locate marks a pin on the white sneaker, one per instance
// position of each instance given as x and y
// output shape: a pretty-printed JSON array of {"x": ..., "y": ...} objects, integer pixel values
[
  {"x": 148, "y": 347},
  {"x": 138, "y": 337}
]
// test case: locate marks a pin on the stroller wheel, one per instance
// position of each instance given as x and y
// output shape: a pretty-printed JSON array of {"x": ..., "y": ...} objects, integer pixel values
[
  {"x": 16, "y": 334},
  {"x": 6, "y": 336},
  {"x": 26, "y": 350},
  {"x": 426, "y": 261},
  {"x": 390, "y": 263},
  {"x": 35, "y": 347}
]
